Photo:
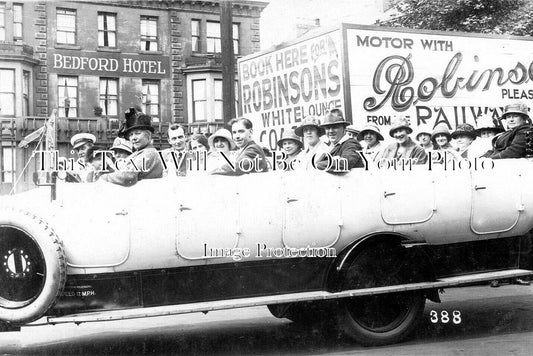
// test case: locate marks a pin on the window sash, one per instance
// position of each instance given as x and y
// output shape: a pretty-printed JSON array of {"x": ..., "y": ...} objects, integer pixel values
[
  {"x": 199, "y": 100},
  {"x": 8, "y": 164},
  {"x": 25, "y": 93},
  {"x": 17, "y": 21},
  {"x": 66, "y": 26},
  {"x": 107, "y": 30},
  {"x": 109, "y": 96},
  {"x": 148, "y": 33},
  {"x": 68, "y": 88},
  {"x": 7, "y": 92},
  {"x": 195, "y": 35},
  {"x": 150, "y": 98},
  {"x": 2, "y": 22}
]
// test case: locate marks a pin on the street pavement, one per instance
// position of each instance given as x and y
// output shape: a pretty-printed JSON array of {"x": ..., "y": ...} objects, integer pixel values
[{"x": 493, "y": 321}]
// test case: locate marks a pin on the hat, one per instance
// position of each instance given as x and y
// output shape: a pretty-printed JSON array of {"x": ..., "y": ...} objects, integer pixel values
[
  {"x": 137, "y": 120},
  {"x": 372, "y": 128},
  {"x": 464, "y": 130},
  {"x": 441, "y": 129},
  {"x": 224, "y": 134},
  {"x": 516, "y": 108},
  {"x": 309, "y": 121},
  {"x": 486, "y": 122},
  {"x": 80, "y": 139},
  {"x": 351, "y": 128},
  {"x": 423, "y": 129},
  {"x": 122, "y": 144},
  {"x": 289, "y": 135},
  {"x": 334, "y": 118},
  {"x": 400, "y": 123}
]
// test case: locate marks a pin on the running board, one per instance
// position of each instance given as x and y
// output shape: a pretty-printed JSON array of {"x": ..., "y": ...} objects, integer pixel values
[{"x": 276, "y": 299}]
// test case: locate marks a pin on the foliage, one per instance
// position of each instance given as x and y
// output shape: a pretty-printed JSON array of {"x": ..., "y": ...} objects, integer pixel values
[{"x": 513, "y": 17}]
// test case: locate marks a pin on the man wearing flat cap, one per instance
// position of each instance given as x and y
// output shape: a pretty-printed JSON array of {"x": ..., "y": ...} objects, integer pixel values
[
  {"x": 82, "y": 143},
  {"x": 343, "y": 154},
  {"x": 512, "y": 143},
  {"x": 144, "y": 162}
]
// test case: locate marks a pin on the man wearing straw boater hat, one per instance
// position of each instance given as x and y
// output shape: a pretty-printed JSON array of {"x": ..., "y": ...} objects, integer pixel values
[
  {"x": 144, "y": 162},
  {"x": 343, "y": 154}
]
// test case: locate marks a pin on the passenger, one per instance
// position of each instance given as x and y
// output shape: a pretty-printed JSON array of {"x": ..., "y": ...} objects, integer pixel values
[
  {"x": 352, "y": 131},
  {"x": 95, "y": 163},
  {"x": 512, "y": 143},
  {"x": 343, "y": 154},
  {"x": 121, "y": 148},
  {"x": 464, "y": 135},
  {"x": 424, "y": 137},
  {"x": 372, "y": 137},
  {"x": 292, "y": 146},
  {"x": 487, "y": 128},
  {"x": 199, "y": 148},
  {"x": 222, "y": 150},
  {"x": 81, "y": 143},
  {"x": 144, "y": 162},
  {"x": 441, "y": 139},
  {"x": 250, "y": 157},
  {"x": 175, "y": 157},
  {"x": 404, "y": 148},
  {"x": 314, "y": 147}
]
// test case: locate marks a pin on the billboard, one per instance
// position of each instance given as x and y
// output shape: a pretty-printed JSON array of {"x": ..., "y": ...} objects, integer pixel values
[
  {"x": 279, "y": 88},
  {"x": 433, "y": 78}
]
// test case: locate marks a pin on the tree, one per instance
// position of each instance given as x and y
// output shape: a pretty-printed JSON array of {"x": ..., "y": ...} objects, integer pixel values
[{"x": 513, "y": 17}]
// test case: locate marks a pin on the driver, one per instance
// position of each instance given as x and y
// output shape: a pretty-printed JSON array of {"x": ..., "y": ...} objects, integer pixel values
[{"x": 144, "y": 162}]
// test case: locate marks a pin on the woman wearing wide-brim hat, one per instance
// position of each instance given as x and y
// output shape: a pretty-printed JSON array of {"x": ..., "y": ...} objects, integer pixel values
[
  {"x": 404, "y": 148},
  {"x": 222, "y": 150},
  {"x": 486, "y": 129},
  {"x": 291, "y": 145},
  {"x": 464, "y": 135},
  {"x": 423, "y": 136},
  {"x": 441, "y": 138},
  {"x": 372, "y": 138},
  {"x": 314, "y": 147},
  {"x": 512, "y": 143}
]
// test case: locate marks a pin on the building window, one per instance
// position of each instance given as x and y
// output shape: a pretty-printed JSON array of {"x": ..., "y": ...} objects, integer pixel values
[
  {"x": 25, "y": 93},
  {"x": 218, "y": 100},
  {"x": 235, "y": 31},
  {"x": 2, "y": 21},
  {"x": 66, "y": 26},
  {"x": 109, "y": 96},
  {"x": 150, "y": 99},
  {"x": 195, "y": 35},
  {"x": 213, "y": 37},
  {"x": 199, "y": 100},
  {"x": 107, "y": 30},
  {"x": 7, "y": 92},
  {"x": 68, "y": 96},
  {"x": 8, "y": 163},
  {"x": 148, "y": 33},
  {"x": 17, "y": 21}
]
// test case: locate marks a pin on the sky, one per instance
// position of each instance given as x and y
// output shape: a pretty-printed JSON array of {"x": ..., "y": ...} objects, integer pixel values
[{"x": 278, "y": 19}]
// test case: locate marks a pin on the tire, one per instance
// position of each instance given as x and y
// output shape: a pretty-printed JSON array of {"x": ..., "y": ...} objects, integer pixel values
[
  {"x": 32, "y": 267},
  {"x": 381, "y": 319}
]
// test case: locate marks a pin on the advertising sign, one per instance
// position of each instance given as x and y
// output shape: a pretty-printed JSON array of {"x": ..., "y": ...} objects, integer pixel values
[
  {"x": 435, "y": 78},
  {"x": 278, "y": 89}
]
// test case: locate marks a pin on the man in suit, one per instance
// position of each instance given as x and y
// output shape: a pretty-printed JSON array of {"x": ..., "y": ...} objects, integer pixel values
[
  {"x": 344, "y": 150},
  {"x": 250, "y": 156}
]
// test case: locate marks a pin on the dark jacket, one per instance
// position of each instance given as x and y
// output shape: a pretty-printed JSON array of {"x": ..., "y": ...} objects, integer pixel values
[
  {"x": 245, "y": 156},
  {"x": 510, "y": 144},
  {"x": 347, "y": 149}
]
